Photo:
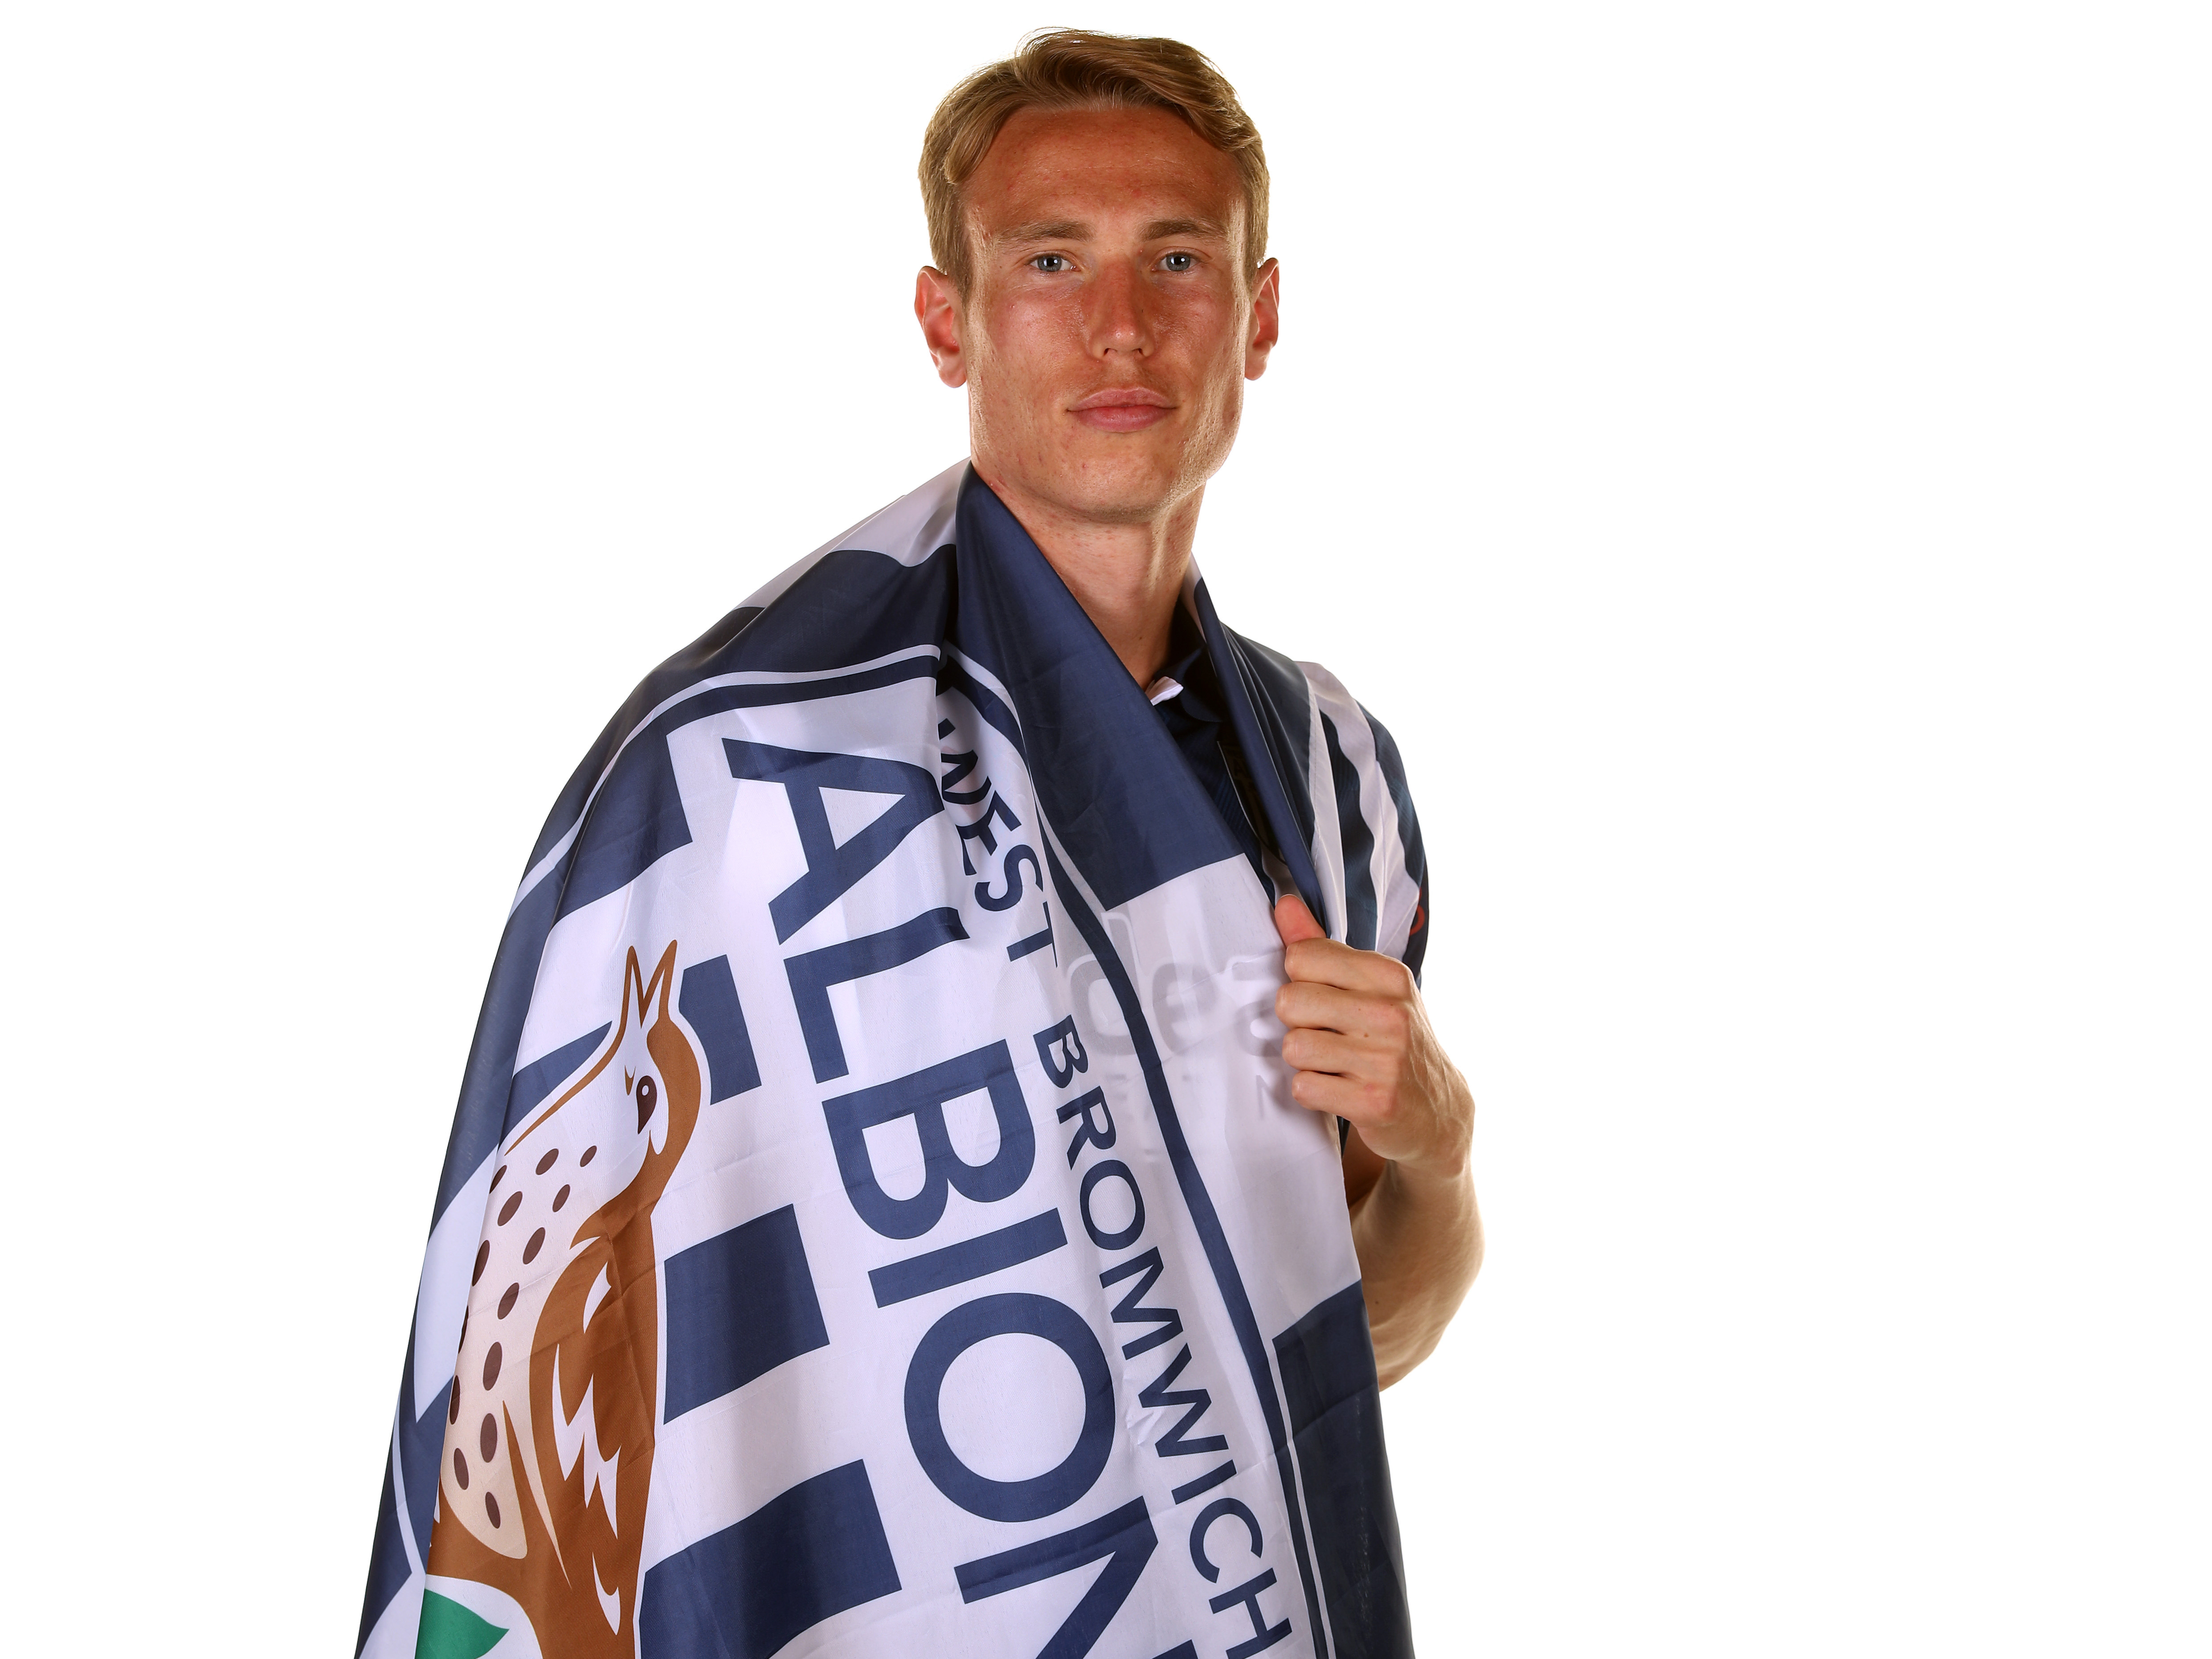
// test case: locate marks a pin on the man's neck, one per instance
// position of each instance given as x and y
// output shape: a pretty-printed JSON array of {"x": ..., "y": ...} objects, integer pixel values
[{"x": 1127, "y": 577}]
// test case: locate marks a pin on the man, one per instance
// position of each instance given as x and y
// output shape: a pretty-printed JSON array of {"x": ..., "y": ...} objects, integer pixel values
[{"x": 879, "y": 1195}]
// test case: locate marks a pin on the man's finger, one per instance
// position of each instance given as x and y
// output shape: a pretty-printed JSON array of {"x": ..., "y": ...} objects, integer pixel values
[
  {"x": 1294, "y": 921},
  {"x": 1329, "y": 1008},
  {"x": 1309, "y": 1050},
  {"x": 1339, "y": 1096},
  {"x": 1325, "y": 962}
]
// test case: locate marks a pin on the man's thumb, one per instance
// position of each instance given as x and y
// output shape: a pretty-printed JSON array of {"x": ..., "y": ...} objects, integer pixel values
[{"x": 1294, "y": 921}]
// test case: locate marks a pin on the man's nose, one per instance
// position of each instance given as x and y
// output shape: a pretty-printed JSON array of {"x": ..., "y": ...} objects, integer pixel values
[{"x": 1117, "y": 310}]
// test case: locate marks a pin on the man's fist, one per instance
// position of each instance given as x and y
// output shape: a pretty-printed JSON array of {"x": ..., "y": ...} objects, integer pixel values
[{"x": 1363, "y": 1050}]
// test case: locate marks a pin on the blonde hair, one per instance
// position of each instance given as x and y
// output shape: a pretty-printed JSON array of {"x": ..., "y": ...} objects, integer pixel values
[{"x": 1072, "y": 70}]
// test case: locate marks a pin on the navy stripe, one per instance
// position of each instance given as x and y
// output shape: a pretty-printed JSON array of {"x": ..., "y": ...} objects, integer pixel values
[
  {"x": 744, "y": 1592},
  {"x": 1336, "y": 1414},
  {"x": 387, "y": 1561},
  {"x": 709, "y": 1001},
  {"x": 739, "y": 1304},
  {"x": 1278, "y": 688},
  {"x": 543, "y": 1075},
  {"x": 1359, "y": 910},
  {"x": 422, "y": 1438},
  {"x": 971, "y": 1258},
  {"x": 1204, "y": 1217}
]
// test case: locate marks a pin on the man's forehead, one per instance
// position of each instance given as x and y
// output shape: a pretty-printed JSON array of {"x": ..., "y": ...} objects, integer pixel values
[{"x": 1071, "y": 173}]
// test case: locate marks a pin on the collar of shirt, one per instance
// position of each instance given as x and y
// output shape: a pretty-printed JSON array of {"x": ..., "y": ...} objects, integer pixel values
[
  {"x": 1187, "y": 678},
  {"x": 1187, "y": 698}
]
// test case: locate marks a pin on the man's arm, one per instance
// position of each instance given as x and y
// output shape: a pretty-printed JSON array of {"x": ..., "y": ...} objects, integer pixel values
[{"x": 1364, "y": 1051}]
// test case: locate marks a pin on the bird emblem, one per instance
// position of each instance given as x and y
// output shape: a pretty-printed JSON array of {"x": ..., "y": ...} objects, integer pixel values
[{"x": 549, "y": 1433}]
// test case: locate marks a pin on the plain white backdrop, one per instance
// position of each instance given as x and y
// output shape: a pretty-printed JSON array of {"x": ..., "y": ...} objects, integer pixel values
[{"x": 1754, "y": 456}]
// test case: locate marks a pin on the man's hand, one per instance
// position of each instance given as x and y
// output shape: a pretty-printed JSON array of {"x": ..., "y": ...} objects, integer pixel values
[
  {"x": 1361, "y": 1041},
  {"x": 1363, "y": 1050}
]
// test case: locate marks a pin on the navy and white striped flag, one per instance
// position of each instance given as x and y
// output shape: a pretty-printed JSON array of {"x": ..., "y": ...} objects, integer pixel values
[{"x": 875, "y": 1221}]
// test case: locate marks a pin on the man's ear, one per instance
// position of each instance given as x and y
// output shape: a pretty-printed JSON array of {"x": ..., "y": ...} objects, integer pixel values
[
  {"x": 1266, "y": 318},
  {"x": 937, "y": 308}
]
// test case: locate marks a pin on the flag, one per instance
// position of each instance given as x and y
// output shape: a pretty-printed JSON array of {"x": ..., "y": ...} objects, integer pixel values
[{"x": 875, "y": 1221}]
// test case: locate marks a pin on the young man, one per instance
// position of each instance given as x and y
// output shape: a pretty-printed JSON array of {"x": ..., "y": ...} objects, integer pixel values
[{"x": 880, "y": 1210}]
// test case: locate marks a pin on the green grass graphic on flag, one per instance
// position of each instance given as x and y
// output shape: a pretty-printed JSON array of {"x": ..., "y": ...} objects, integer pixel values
[{"x": 450, "y": 1631}]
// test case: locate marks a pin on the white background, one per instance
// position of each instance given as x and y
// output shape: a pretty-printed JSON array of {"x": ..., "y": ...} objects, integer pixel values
[{"x": 1753, "y": 456}]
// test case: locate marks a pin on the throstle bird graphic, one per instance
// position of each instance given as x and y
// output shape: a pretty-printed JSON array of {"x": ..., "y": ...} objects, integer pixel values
[{"x": 549, "y": 1440}]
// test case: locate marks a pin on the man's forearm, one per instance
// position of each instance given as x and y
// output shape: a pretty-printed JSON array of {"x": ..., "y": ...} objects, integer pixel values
[{"x": 1418, "y": 1235}]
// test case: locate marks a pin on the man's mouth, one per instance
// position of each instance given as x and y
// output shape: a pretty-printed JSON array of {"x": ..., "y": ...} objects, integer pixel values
[{"x": 1121, "y": 409}]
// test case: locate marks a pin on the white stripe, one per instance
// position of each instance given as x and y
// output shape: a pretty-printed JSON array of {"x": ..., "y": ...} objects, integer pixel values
[
  {"x": 400, "y": 1626},
  {"x": 1327, "y": 832},
  {"x": 441, "y": 1301},
  {"x": 1396, "y": 897},
  {"x": 1398, "y": 904}
]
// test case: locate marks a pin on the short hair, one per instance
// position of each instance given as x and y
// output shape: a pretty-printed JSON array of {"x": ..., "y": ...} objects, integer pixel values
[{"x": 1078, "y": 69}]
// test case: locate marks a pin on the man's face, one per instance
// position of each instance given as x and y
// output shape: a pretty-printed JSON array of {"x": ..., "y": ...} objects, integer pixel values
[{"x": 1108, "y": 326}]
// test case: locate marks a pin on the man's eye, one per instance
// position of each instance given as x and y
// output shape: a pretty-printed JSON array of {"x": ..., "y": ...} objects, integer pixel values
[
  {"x": 1050, "y": 263},
  {"x": 1180, "y": 261}
]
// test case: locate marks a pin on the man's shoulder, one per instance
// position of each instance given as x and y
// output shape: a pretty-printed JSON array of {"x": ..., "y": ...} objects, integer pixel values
[
  {"x": 818, "y": 613},
  {"x": 909, "y": 530},
  {"x": 873, "y": 591}
]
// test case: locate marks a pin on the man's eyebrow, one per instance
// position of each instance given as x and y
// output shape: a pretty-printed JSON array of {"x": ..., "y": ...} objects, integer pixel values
[
  {"x": 1044, "y": 230},
  {"x": 1163, "y": 230},
  {"x": 1074, "y": 230}
]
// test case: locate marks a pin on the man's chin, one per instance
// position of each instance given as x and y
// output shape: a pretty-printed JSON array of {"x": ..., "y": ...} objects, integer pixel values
[
  {"x": 1094, "y": 507},
  {"x": 1113, "y": 488}
]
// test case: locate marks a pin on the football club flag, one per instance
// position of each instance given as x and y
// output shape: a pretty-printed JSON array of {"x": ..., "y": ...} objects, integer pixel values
[{"x": 876, "y": 1222}]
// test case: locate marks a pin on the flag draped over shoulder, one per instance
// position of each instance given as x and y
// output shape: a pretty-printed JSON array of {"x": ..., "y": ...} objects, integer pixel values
[{"x": 875, "y": 1221}]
